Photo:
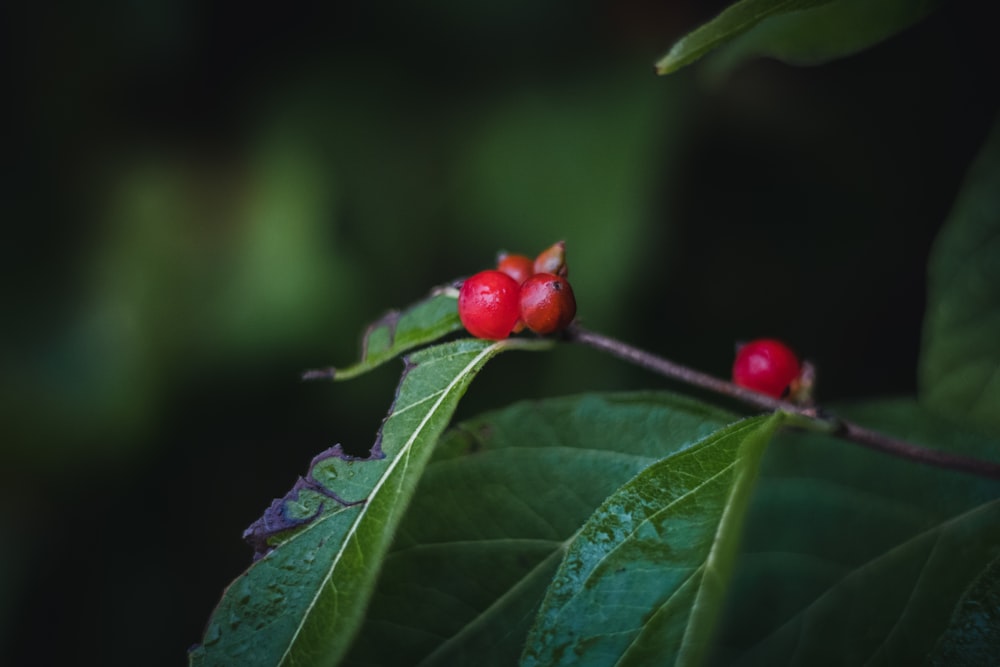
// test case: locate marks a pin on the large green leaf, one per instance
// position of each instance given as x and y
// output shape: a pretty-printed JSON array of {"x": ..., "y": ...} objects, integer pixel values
[
  {"x": 644, "y": 580},
  {"x": 494, "y": 513},
  {"x": 820, "y": 34},
  {"x": 734, "y": 21},
  {"x": 960, "y": 361},
  {"x": 400, "y": 331},
  {"x": 321, "y": 545},
  {"x": 854, "y": 557}
]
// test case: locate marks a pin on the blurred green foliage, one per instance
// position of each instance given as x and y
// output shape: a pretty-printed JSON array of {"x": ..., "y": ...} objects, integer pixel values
[
  {"x": 960, "y": 364},
  {"x": 209, "y": 198}
]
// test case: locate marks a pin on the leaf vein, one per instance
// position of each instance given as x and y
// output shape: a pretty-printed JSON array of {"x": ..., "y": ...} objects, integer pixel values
[
  {"x": 352, "y": 531},
  {"x": 594, "y": 569}
]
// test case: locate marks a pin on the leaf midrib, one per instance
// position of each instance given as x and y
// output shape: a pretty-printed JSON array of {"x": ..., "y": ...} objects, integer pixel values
[
  {"x": 403, "y": 453},
  {"x": 744, "y": 477},
  {"x": 625, "y": 540}
]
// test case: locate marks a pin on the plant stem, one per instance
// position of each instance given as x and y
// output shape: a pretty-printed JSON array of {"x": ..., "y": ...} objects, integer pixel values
[{"x": 834, "y": 425}]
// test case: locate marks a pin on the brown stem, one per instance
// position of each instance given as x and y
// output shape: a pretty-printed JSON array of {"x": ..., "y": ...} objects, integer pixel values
[{"x": 836, "y": 426}]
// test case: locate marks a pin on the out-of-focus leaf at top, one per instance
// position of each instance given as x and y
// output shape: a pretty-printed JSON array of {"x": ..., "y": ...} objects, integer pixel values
[
  {"x": 853, "y": 557},
  {"x": 399, "y": 331},
  {"x": 817, "y": 35},
  {"x": 731, "y": 23},
  {"x": 960, "y": 360},
  {"x": 321, "y": 545}
]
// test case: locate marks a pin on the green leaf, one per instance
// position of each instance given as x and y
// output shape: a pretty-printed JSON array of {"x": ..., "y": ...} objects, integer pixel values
[
  {"x": 960, "y": 360},
  {"x": 732, "y": 22},
  {"x": 973, "y": 635},
  {"x": 820, "y": 34},
  {"x": 495, "y": 511},
  {"x": 397, "y": 332},
  {"x": 644, "y": 580},
  {"x": 855, "y": 557},
  {"x": 323, "y": 543}
]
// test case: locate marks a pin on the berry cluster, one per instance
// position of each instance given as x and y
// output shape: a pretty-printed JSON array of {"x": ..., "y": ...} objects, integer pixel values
[
  {"x": 533, "y": 293},
  {"x": 519, "y": 293},
  {"x": 768, "y": 366}
]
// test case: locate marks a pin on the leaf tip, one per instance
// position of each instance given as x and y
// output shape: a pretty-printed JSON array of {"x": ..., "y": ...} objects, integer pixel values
[{"x": 671, "y": 62}]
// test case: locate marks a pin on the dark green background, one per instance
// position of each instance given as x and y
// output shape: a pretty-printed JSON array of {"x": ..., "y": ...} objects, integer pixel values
[{"x": 204, "y": 200}]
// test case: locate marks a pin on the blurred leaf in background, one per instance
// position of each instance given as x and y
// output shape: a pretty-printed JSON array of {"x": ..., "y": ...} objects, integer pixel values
[
  {"x": 803, "y": 32},
  {"x": 960, "y": 366},
  {"x": 197, "y": 267}
]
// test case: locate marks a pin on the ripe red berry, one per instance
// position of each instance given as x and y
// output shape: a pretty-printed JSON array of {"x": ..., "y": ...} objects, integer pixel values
[
  {"x": 488, "y": 304},
  {"x": 547, "y": 303},
  {"x": 767, "y": 366},
  {"x": 518, "y": 267}
]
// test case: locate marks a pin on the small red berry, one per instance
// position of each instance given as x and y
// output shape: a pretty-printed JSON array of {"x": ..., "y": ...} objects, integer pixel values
[
  {"x": 766, "y": 365},
  {"x": 488, "y": 304},
  {"x": 553, "y": 260},
  {"x": 518, "y": 267},
  {"x": 547, "y": 303}
]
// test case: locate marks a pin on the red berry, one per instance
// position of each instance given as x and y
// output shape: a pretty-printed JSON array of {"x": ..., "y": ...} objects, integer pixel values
[
  {"x": 518, "y": 267},
  {"x": 547, "y": 303},
  {"x": 767, "y": 366},
  {"x": 488, "y": 304}
]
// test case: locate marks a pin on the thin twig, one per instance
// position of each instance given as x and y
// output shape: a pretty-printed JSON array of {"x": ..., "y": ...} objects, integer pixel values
[{"x": 834, "y": 425}]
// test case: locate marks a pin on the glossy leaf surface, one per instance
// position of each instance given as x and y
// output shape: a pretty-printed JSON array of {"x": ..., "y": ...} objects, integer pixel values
[
  {"x": 816, "y": 35},
  {"x": 644, "y": 580},
  {"x": 960, "y": 362},
  {"x": 854, "y": 557},
  {"x": 323, "y": 543},
  {"x": 732, "y": 22},
  {"x": 496, "y": 509}
]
